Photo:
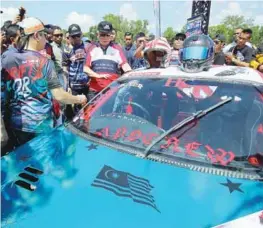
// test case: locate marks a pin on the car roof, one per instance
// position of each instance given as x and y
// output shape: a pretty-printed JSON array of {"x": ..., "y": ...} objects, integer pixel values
[{"x": 221, "y": 73}]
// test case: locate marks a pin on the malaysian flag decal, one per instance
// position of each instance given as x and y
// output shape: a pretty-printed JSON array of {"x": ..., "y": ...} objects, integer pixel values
[{"x": 125, "y": 185}]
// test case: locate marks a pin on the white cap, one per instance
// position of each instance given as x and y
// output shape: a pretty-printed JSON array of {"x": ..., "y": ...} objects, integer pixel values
[{"x": 32, "y": 25}]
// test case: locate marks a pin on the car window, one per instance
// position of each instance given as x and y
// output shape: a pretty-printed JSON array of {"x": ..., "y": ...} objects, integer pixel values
[{"x": 134, "y": 112}]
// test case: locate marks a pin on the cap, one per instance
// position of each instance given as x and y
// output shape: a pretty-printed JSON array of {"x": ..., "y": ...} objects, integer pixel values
[
  {"x": 151, "y": 37},
  {"x": 85, "y": 39},
  {"x": 220, "y": 37},
  {"x": 105, "y": 26},
  {"x": 74, "y": 29},
  {"x": 31, "y": 25}
]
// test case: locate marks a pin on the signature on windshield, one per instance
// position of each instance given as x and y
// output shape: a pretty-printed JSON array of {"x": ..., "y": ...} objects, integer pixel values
[{"x": 218, "y": 156}]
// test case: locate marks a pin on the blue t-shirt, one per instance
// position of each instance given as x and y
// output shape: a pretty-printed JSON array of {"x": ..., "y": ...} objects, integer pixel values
[
  {"x": 10, "y": 50},
  {"x": 139, "y": 63},
  {"x": 129, "y": 54},
  {"x": 28, "y": 77},
  {"x": 75, "y": 59}
]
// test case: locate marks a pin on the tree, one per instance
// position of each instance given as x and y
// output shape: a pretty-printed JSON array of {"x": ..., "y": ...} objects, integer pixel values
[
  {"x": 122, "y": 25},
  {"x": 220, "y": 29},
  {"x": 235, "y": 21},
  {"x": 169, "y": 34},
  {"x": 92, "y": 33}
]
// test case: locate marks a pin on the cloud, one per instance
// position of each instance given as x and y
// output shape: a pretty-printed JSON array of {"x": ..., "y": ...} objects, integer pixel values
[
  {"x": 259, "y": 20},
  {"x": 83, "y": 20},
  {"x": 8, "y": 14},
  {"x": 253, "y": 6},
  {"x": 128, "y": 12},
  {"x": 232, "y": 8}
]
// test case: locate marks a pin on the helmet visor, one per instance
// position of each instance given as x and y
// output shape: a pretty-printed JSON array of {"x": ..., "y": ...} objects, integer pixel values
[{"x": 195, "y": 53}]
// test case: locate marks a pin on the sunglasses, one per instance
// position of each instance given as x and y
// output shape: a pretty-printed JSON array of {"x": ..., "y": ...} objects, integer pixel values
[
  {"x": 75, "y": 36},
  {"x": 58, "y": 35},
  {"x": 105, "y": 35}
]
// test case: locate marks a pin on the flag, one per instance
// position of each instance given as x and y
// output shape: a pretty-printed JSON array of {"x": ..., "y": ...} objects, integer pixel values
[{"x": 125, "y": 184}]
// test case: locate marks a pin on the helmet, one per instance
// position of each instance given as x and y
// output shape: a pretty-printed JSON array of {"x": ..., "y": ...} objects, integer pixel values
[
  {"x": 197, "y": 53},
  {"x": 158, "y": 45}
]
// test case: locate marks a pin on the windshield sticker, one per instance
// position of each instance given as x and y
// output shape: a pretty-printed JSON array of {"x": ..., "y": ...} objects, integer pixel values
[
  {"x": 104, "y": 132},
  {"x": 220, "y": 156},
  {"x": 173, "y": 141},
  {"x": 92, "y": 147},
  {"x": 232, "y": 186},
  {"x": 144, "y": 73},
  {"x": 124, "y": 184},
  {"x": 192, "y": 149},
  {"x": 197, "y": 91},
  {"x": 136, "y": 84},
  {"x": 135, "y": 136},
  {"x": 120, "y": 133}
]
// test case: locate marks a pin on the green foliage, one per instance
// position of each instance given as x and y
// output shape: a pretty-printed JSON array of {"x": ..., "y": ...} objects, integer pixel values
[
  {"x": 227, "y": 27},
  {"x": 121, "y": 25},
  {"x": 169, "y": 34},
  {"x": 230, "y": 23}
]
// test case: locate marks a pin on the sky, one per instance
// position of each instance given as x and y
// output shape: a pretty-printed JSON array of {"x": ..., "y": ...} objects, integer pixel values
[{"x": 87, "y": 13}]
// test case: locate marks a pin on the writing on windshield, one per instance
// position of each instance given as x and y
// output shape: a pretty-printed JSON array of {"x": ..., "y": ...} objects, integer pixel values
[{"x": 137, "y": 136}]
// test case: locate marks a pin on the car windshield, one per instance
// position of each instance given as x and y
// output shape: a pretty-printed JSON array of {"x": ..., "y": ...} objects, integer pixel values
[{"x": 135, "y": 111}]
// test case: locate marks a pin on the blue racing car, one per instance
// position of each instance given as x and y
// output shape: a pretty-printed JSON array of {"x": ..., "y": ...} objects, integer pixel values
[{"x": 157, "y": 148}]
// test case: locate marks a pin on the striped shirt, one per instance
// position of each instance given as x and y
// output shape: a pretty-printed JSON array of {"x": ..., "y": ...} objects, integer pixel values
[
  {"x": 75, "y": 59},
  {"x": 105, "y": 61}
]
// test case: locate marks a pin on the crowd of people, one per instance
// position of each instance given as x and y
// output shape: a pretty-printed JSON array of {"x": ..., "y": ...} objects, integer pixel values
[{"x": 47, "y": 76}]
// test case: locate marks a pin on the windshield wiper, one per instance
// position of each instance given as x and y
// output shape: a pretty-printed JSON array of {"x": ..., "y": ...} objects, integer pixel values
[{"x": 184, "y": 122}]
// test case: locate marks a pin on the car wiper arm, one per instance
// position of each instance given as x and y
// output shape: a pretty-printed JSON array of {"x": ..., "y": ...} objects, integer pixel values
[{"x": 184, "y": 122}]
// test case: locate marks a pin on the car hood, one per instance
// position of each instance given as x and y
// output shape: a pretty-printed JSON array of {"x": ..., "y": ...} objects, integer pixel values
[{"x": 63, "y": 180}]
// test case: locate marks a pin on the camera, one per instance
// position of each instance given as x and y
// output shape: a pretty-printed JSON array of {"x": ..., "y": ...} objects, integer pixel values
[{"x": 22, "y": 12}]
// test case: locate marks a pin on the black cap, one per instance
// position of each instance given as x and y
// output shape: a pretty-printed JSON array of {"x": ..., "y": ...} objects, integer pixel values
[
  {"x": 74, "y": 29},
  {"x": 220, "y": 37},
  {"x": 105, "y": 27}
]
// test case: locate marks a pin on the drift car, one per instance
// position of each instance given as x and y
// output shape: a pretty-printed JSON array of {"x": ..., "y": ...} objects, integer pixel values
[{"x": 157, "y": 148}]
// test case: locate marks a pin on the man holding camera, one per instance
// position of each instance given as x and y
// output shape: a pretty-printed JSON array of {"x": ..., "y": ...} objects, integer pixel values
[
  {"x": 241, "y": 54},
  {"x": 139, "y": 61}
]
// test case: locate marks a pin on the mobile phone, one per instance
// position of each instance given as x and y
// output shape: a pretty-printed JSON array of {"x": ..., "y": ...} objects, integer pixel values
[{"x": 22, "y": 12}]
